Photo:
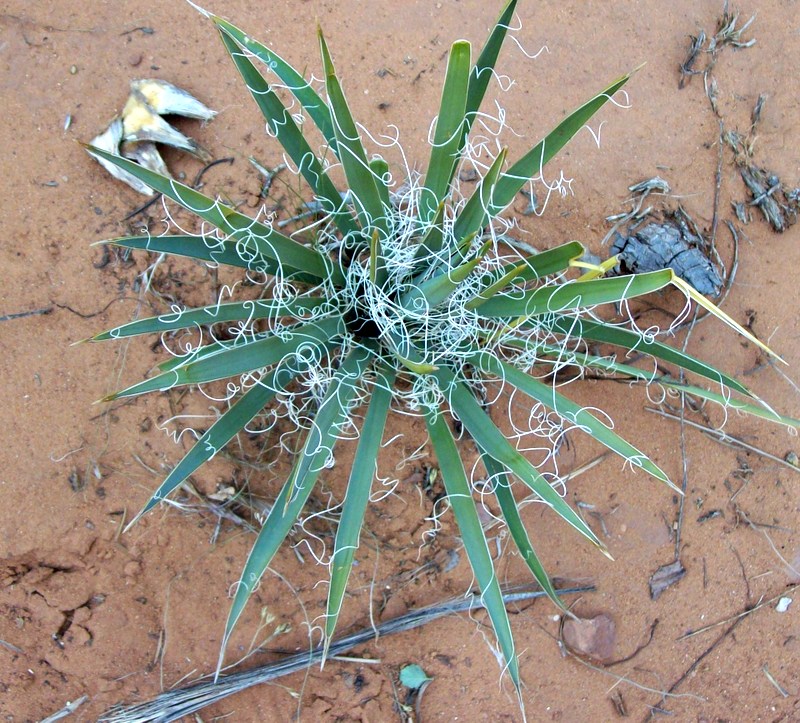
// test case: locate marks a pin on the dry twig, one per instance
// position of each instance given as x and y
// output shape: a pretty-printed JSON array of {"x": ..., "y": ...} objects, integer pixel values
[{"x": 173, "y": 704}]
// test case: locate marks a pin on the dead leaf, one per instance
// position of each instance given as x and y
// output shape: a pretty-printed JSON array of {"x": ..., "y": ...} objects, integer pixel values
[{"x": 665, "y": 576}]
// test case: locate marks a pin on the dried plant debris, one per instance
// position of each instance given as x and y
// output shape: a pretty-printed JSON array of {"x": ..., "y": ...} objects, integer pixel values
[
  {"x": 640, "y": 192},
  {"x": 779, "y": 203},
  {"x": 695, "y": 48},
  {"x": 758, "y": 109},
  {"x": 728, "y": 32},
  {"x": 176, "y": 702},
  {"x": 109, "y": 140},
  {"x": 167, "y": 99},
  {"x": 136, "y": 131},
  {"x": 669, "y": 244},
  {"x": 664, "y": 577}
]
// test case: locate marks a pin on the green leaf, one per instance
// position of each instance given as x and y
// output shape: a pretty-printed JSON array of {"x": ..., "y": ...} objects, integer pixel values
[
  {"x": 282, "y": 252},
  {"x": 362, "y": 472},
  {"x": 483, "y": 70},
  {"x": 510, "y": 511},
  {"x": 413, "y": 677},
  {"x": 626, "y": 370},
  {"x": 449, "y": 133},
  {"x": 213, "y": 314},
  {"x": 203, "y": 248},
  {"x": 436, "y": 290},
  {"x": 570, "y": 411},
  {"x": 575, "y": 295},
  {"x": 532, "y": 163},
  {"x": 319, "y": 443},
  {"x": 202, "y": 351},
  {"x": 364, "y": 190},
  {"x": 494, "y": 287},
  {"x": 473, "y": 216},
  {"x": 491, "y": 439},
  {"x": 377, "y": 263},
  {"x": 459, "y": 495},
  {"x": 531, "y": 268},
  {"x": 764, "y": 411},
  {"x": 235, "y": 360},
  {"x": 380, "y": 172},
  {"x": 551, "y": 261},
  {"x": 316, "y": 108},
  {"x": 282, "y": 125},
  {"x": 220, "y": 433},
  {"x": 583, "y": 328},
  {"x": 431, "y": 242},
  {"x": 414, "y": 366}
]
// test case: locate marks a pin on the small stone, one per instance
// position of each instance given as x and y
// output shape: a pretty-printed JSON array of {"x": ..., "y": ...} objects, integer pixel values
[
  {"x": 783, "y": 604},
  {"x": 593, "y": 637},
  {"x": 73, "y": 69},
  {"x": 792, "y": 459},
  {"x": 79, "y": 635},
  {"x": 132, "y": 568},
  {"x": 135, "y": 59}
]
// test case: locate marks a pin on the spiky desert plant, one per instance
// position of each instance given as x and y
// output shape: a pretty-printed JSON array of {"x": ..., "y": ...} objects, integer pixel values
[{"x": 408, "y": 296}]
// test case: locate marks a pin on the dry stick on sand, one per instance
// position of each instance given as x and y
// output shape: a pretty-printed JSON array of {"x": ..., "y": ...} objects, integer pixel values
[
  {"x": 23, "y": 314},
  {"x": 696, "y": 317},
  {"x": 67, "y": 710},
  {"x": 724, "y": 438},
  {"x": 173, "y": 704},
  {"x": 684, "y": 460},
  {"x": 747, "y": 611},
  {"x": 658, "y": 709},
  {"x": 734, "y": 622}
]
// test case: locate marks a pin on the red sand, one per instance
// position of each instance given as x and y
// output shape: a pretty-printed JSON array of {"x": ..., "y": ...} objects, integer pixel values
[{"x": 147, "y": 609}]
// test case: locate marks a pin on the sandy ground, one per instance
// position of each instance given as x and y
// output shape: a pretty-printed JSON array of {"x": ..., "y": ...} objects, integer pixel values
[{"x": 86, "y": 611}]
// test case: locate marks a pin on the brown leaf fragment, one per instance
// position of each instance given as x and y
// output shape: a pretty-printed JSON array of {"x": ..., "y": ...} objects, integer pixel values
[
  {"x": 665, "y": 576},
  {"x": 591, "y": 637},
  {"x": 619, "y": 704}
]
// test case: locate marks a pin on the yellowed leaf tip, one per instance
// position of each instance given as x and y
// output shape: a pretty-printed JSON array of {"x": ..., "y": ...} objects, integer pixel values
[
  {"x": 605, "y": 551},
  {"x": 713, "y": 309}
]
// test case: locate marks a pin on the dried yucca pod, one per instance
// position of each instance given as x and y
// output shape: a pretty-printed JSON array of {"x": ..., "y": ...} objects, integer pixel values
[{"x": 134, "y": 133}]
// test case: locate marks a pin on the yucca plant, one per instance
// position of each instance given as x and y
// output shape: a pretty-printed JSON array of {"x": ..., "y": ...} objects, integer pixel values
[{"x": 407, "y": 295}]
